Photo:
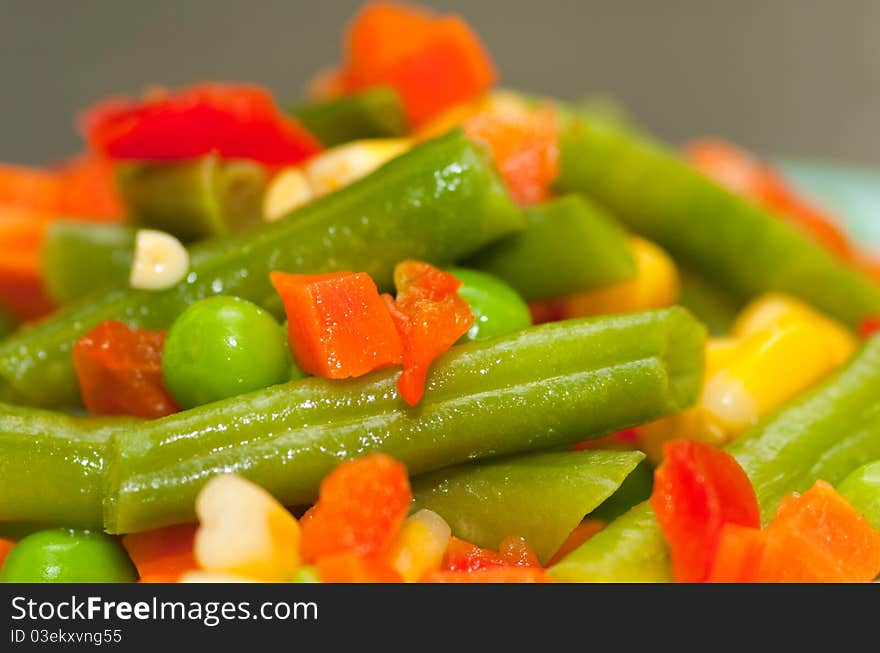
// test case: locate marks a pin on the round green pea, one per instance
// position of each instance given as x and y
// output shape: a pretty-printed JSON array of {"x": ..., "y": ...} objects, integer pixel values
[
  {"x": 62, "y": 555},
  {"x": 497, "y": 307},
  {"x": 221, "y": 347}
]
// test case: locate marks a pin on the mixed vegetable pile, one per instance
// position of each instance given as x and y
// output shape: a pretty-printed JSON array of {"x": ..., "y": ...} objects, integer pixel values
[{"x": 421, "y": 329}]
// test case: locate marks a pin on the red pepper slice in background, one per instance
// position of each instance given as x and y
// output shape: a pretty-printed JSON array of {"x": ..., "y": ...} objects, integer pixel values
[
  {"x": 697, "y": 490},
  {"x": 430, "y": 317},
  {"x": 120, "y": 371},
  {"x": 5, "y": 548},
  {"x": 492, "y": 575},
  {"x": 232, "y": 120},
  {"x": 339, "y": 326},
  {"x": 869, "y": 326},
  {"x": 818, "y": 537},
  {"x": 524, "y": 143},
  {"x": 432, "y": 62},
  {"x": 21, "y": 244},
  {"x": 162, "y": 555},
  {"x": 360, "y": 509}
]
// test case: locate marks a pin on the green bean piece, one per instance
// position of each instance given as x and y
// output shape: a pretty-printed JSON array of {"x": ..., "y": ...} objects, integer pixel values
[
  {"x": 862, "y": 489},
  {"x": 439, "y": 202},
  {"x": 570, "y": 245},
  {"x": 635, "y": 488},
  {"x": 714, "y": 307},
  {"x": 542, "y": 387},
  {"x": 372, "y": 113},
  {"x": 80, "y": 258},
  {"x": 7, "y": 324},
  {"x": 541, "y": 497},
  {"x": 52, "y": 466},
  {"x": 824, "y": 434},
  {"x": 732, "y": 242},
  {"x": 496, "y": 307},
  {"x": 193, "y": 199},
  {"x": 62, "y": 555}
]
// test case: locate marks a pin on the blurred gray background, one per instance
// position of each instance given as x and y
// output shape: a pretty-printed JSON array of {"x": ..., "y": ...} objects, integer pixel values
[{"x": 789, "y": 77}]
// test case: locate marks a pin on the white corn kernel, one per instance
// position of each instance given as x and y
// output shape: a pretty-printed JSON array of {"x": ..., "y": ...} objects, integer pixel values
[
  {"x": 420, "y": 545},
  {"x": 160, "y": 260},
  {"x": 288, "y": 190},
  {"x": 244, "y": 531},
  {"x": 340, "y": 166}
]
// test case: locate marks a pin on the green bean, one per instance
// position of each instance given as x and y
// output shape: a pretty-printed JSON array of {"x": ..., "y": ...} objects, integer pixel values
[
  {"x": 372, "y": 113},
  {"x": 862, "y": 489}
]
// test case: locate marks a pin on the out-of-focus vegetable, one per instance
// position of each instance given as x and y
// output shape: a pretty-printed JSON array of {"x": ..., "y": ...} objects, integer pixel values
[
  {"x": 21, "y": 286},
  {"x": 372, "y": 113},
  {"x": 352, "y": 568},
  {"x": 338, "y": 326},
  {"x": 485, "y": 502},
  {"x": 162, "y": 555},
  {"x": 862, "y": 489},
  {"x": 288, "y": 191},
  {"x": 569, "y": 246},
  {"x": 7, "y": 324},
  {"x": 713, "y": 306},
  {"x": 824, "y": 434},
  {"x": 420, "y": 545},
  {"x": 244, "y": 531},
  {"x": 469, "y": 208},
  {"x": 655, "y": 285},
  {"x": 496, "y": 307},
  {"x": 697, "y": 491},
  {"x": 541, "y": 387},
  {"x": 361, "y": 506},
  {"x": 120, "y": 371},
  {"x": 220, "y": 347},
  {"x": 67, "y": 556},
  {"x": 430, "y": 317},
  {"x": 233, "y": 121},
  {"x": 662, "y": 198},
  {"x": 432, "y": 62},
  {"x": 344, "y": 164},
  {"x": 80, "y": 258},
  {"x": 193, "y": 199}
]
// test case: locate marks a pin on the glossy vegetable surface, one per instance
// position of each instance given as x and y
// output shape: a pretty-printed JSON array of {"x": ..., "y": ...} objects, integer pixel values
[
  {"x": 862, "y": 489},
  {"x": 496, "y": 307},
  {"x": 439, "y": 202},
  {"x": 540, "y": 497},
  {"x": 570, "y": 245},
  {"x": 824, "y": 434},
  {"x": 537, "y": 388}
]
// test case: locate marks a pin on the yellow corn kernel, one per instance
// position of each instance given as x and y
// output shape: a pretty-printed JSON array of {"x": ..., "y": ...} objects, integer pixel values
[
  {"x": 214, "y": 577},
  {"x": 420, "y": 545},
  {"x": 656, "y": 285},
  {"x": 244, "y": 531},
  {"x": 770, "y": 367},
  {"x": 772, "y": 307},
  {"x": 288, "y": 190},
  {"x": 338, "y": 167}
]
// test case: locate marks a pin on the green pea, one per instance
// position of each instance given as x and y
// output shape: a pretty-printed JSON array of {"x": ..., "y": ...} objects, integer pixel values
[
  {"x": 222, "y": 347},
  {"x": 496, "y": 306},
  {"x": 62, "y": 555},
  {"x": 862, "y": 489}
]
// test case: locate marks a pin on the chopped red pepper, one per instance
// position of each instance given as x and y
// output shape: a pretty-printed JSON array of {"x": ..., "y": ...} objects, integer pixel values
[
  {"x": 430, "y": 317},
  {"x": 524, "y": 143},
  {"x": 819, "y": 537},
  {"x": 21, "y": 243},
  {"x": 432, "y": 62},
  {"x": 232, "y": 120},
  {"x": 5, "y": 547},
  {"x": 352, "y": 568},
  {"x": 339, "y": 327},
  {"x": 462, "y": 556},
  {"x": 492, "y": 575},
  {"x": 164, "y": 554},
  {"x": 697, "y": 490},
  {"x": 738, "y": 555},
  {"x": 120, "y": 371},
  {"x": 361, "y": 507}
]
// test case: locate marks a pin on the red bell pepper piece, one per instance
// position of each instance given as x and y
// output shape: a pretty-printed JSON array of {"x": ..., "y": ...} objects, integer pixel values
[
  {"x": 120, "y": 371},
  {"x": 5, "y": 548},
  {"x": 352, "y": 568},
  {"x": 492, "y": 575},
  {"x": 819, "y": 537},
  {"x": 21, "y": 285},
  {"x": 339, "y": 326},
  {"x": 430, "y": 317},
  {"x": 164, "y": 554},
  {"x": 869, "y": 326},
  {"x": 462, "y": 556},
  {"x": 525, "y": 146},
  {"x": 432, "y": 62},
  {"x": 360, "y": 509},
  {"x": 233, "y": 121},
  {"x": 738, "y": 555},
  {"x": 697, "y": 490}
]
